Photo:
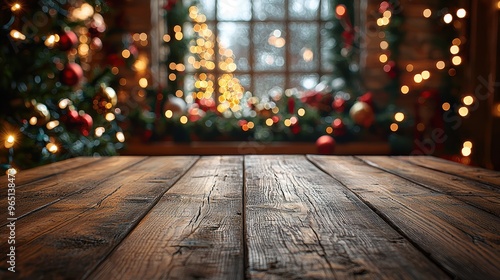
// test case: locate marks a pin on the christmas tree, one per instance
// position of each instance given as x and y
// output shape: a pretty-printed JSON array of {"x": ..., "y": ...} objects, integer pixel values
[{"x": 56, "y": 101}]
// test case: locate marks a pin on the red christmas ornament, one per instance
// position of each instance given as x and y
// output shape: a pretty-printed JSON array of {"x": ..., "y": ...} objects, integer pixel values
[
  {"x": 85, "y": 124},
  {"x": 295, "y": 128},
  {"x": 325, "y": 145},
  {"x": 339, "y": 128},
  {"x": 72, "y": 74},
  {"x": 67, "y": 40},
  {"x": 169, "y": 5},
  {"x": 367, "y": 98},
  {"x": 338, "y": 105}
]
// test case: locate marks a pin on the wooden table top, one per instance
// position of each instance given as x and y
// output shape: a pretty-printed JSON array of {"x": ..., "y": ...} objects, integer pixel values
[{"x": 257, "y": 216}]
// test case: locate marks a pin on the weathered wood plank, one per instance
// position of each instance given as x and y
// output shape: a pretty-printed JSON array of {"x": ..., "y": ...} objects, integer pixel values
[
  {"x": 195, "y": 230},
  {"x": 41, "y": 193},
  {"x": 472, "y": 192},
  {"x": 68, "y": 239},
  {"x": 27, "y": 176},
  {"x": 482, "y": 175},
  {"x": 302, "y": 224},
  {"x": 460, "y": 238}
]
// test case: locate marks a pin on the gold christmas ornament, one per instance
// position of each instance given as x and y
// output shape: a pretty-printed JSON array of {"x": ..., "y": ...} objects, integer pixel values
[{"x": 362, "y": 114}]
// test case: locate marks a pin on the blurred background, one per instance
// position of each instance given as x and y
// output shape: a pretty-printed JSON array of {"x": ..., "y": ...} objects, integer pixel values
[{"x": 161, "y": 77}]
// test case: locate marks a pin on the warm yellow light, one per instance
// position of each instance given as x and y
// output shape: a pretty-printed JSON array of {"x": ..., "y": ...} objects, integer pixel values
[
  {"x": 143, "y": 36},
  {"x": 387, "y": 14},
  {"x": 329, "y": 130},
  {"x": 51, "y": 147},
  {"x": 143, "y": 82},
  {"x": 448, "y": 18},
  {"x": 405, "y": 89},
  {"x": 301, "y": 112},
  {"x": 340, "y": 10},
  {"x": 456, "y": 60},
  {"x": 426, "y": 74},
  {"x": 33, "y": 120},
  {"x": 466, "y": 151},
  {"x": 52, "y": 124},
  {"x": 9, "y": 142},
  {"x": 115, "y": 70},
  {"x": 399, "y": 117},
  {"x": 287, "y": 122},
  {"x": 172, "y": 77},
  {"x": 384, "y": 45},
  {"x": 99, "y": 131},
  {"x": 120, "y": 136},
  {"x": 16, "y": 7},
  {"x": 11, "y": 171},
  {"x": 17, "y": 35},
  {"x": 166, "y": 38},
  {"x": 50, "y": 41},
  {"x": 123, "y": 81},
  {"x": 169, "y": 114},
  {"x": 126, "y": 53},
  {"x": 418, "y": 78},
  {"x": 468, "y": 144},
  {"x": 454, "y": 49},
  {"x": 498, "y": 5},
  {"x": 409, "y": 67},
  {"x": 269, "y": 122},
  {"x": 461, "y": 13},
  {"x": 394, "y": 127},
  {"x": 463, "y": 111},
  {"x": 383, "y": 58},
  {"x": 468, "y": 100},
  {"x": 179, "y": 36},
  {"x": 440, "y": 65},
  {"x": 427, "y": 13},
  {"x": 110, "y": 116},
  {"x": 183, "y": 120},
  {"x": 446, "y": 106}
]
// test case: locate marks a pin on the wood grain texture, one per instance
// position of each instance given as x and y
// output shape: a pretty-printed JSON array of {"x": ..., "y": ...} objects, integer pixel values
[
  {"x": 460, "y": 238},
  {"x": 482, "y": 175},
  {"x": 69, "y": 238},
  {"x": 302, "y": 224},
  {"x": 195, "y": 230},
  {"x": 46, "y": 191},
  {"x": 30, "y": 175},
  {"x": 480, "y": 195}
]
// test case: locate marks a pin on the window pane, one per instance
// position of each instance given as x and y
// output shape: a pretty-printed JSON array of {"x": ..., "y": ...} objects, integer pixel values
[
  {"x": 269, "y": 41},
  {"x": 234, "y": 42},
  {"x": 325, "y": 9},
  {"x": 304, "y": 82},
  {"x": 207, "y": 7},
  {"x": 327, "y": 43},
  {"x": 269, "y": 9},
  {"x": 304, "y": 46},
  {"x": 234, "y": 10},
  {"x": 264, "y": 84},
  {"x": 303, "y": 9}
]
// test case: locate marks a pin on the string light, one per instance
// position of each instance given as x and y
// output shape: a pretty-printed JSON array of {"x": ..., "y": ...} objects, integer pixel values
[
  {"x": 447, "y": 18},
  {"x": 143, "y": 82},
  {"x": 169, "y": 114},
  {"x": 409, "y": 67},
  {"x": 461, "y": 13},
  {"x": 399, "y": 117},
  {"x": 16, "y": 7},
  {"x": 52, "y": 148},
  {"x": 99, "y": 131},
  {"x": 301, "y": 112},
  {"x": 454, "y": 49},
  {"x": 446, "y": 106},
  {"x": 394, "y": 127},
  {"x": 9, "y": 142},
  {"x": 120, "y": 136},
  {"x": 468, "y": 100},
  {"x": 466, "y": 151},
  {"x": 11, "y": 171},
  {"x": 426, "y": 75},
  {"x": 456, "y": 60},
  {"x": 440, "y": 65},
  {"x": 418, "y": 78},
  {"x": 183, "y": 120},
  {"x": 329, "y": 130},
  {"x": 52, "y": 124},
  {"x": 405, "y": 89},
  {"x": 463, "y": 111},
  {"x": 427, "y": 13},
  {"x": 17, "y": 35}
]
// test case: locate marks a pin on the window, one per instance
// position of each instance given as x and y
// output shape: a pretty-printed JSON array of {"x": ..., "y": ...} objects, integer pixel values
[{"x": 267, "y": 46}]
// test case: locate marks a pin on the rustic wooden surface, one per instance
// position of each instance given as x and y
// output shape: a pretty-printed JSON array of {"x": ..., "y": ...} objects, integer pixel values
[{"x": 254, "y": 217}]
